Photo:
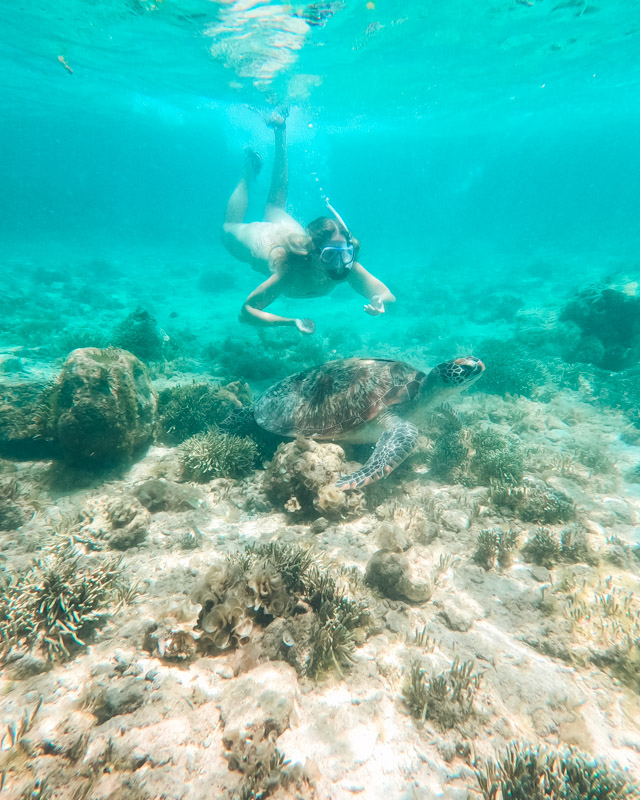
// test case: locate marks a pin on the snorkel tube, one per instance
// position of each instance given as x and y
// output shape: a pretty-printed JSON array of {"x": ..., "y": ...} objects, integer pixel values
[{"x": 336, "y": 215}]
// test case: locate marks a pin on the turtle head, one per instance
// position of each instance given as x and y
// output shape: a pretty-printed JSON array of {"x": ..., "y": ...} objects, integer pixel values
[{"x": 451, "y": 376}]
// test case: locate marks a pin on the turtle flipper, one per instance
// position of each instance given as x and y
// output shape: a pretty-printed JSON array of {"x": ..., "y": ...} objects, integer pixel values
[{"x": 391, "y": 450}]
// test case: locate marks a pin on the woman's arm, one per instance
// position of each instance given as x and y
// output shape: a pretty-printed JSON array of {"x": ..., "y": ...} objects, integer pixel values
[
  {"x": 252, "y": 311},
  {"x": 370, "y": 287}
]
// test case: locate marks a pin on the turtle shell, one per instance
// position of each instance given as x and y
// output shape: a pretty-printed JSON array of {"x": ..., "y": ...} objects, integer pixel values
[{"x": 336, "y": 397}]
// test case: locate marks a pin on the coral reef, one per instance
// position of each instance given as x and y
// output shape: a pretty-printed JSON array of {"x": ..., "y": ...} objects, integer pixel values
[
  {"x": 608, "y": 318},
  {"x": 446, "y": 698},
  {"x": 449, "y": 454},
  {"x": 13, "y": 509},
  {"x": 300, "y": 478},
  {"x": 543, "y": 548},
  {"x": 601, "y": 626},
  {"x": 217, "y": 455},
  {"x": 473, "y": 455},
  {"x": 528, "y": 772},
  {"x": 276, "y": 582},
  {"x": 119, "y": 522},
  {"x": 264, "y": 768},
  {"x": 140, "y": 335},
  {"x": 495, "y": 546},
  {"x": 55, "y": 603},
  {"x": 101, "y": 408},
  {"x": 184, "y": 411},
  {"x": 281, "y": 353},
  {"x": 495, "y": 457},
  {"x": 534, "y": 501}
]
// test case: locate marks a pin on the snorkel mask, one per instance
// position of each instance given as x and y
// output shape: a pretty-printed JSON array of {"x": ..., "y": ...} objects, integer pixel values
[{"x": 338, "y": 258}]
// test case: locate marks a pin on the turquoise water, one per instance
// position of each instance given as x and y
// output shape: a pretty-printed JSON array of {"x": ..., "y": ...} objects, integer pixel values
[{"x": 486, "y": 156}]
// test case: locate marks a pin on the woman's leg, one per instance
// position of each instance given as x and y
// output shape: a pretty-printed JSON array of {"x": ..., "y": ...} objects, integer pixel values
[
  {"x": 239, "y": 200},
  {"x": 277, "y": 200},
  {"x": 280, "y": 173}
]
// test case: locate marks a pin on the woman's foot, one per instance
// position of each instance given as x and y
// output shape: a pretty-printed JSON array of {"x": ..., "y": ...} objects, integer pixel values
[
  {"x": 278, "y": 119},
  {"x": 252, "y": 163}
]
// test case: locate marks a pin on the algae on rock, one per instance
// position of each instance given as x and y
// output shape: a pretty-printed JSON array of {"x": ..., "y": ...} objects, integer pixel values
[{"x": 101, "y": 409}]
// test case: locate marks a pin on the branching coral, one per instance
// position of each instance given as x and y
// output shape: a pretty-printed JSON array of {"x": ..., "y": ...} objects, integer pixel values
[
  {"x": 546, "y": 548},
  {"x": 496, "y": 458},
  {"x": 263, "y": 766},
  {"x": 495, "y": 546},
  {"x": 274, "y": 580},
  {"x": 184, "y": 411},
  {"x": 59, "y": 600},
  {"x": 534, "y": 501},
  {"x": 446, "y": 698},
  {"x": 217, "y": 455},
  {"x": 527, "y": 772},
  {"x": 543, "y": 548},
  {"x": 604, "y": 627}
]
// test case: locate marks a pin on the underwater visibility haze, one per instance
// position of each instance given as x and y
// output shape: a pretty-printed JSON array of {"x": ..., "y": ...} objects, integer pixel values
[{"x": 213, "y": 584}]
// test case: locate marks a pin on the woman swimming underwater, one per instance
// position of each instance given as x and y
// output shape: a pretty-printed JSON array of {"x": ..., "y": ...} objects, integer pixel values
[{"x": 299, "y": 262}]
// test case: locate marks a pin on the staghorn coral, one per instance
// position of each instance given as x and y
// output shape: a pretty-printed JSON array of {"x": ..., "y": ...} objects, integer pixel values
[
  {"x": 543, "y": 548},
  {"x": 534, "y": 501},
  {"x": 263, "y": 766},
  {"x": 495, "y": 546},
  {"x": 496, "y": 457},
  {"x": 546, "y": 548},
  {"x": 184, "y": 411},
  {"x": 300, "y": 478},
  {"x": 528, "y": 772},
  {"x": 445, "y": 698},
  {"x": 217, "y": 455},
  {"x": 55, "y": 603}
]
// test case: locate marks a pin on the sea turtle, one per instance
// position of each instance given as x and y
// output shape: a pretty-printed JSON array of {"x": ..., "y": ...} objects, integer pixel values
[{"x": 361, "y": 400}]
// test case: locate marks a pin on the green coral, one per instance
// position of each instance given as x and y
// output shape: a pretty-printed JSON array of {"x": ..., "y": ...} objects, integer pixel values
[
  {"x": 140, "y": 335},
  {"x": 446, "y": 698},
  {"x": 448, "y": 457},
  {"x": 534, "y": 501},
  {"x": 496, "y": 457},
  {"x": 55, "y": 603},
  {"x": 543, "y": 548},
  {"x": 217, "y": 455},
  {"x": 528, "y": 772},
  {"x": 184, "y": 411},
  {"x": 495, "y": 546},
  {"x": 547, "y": 506}
]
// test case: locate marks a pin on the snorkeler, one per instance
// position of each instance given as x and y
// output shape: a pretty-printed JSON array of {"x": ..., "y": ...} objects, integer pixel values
[{"x": 298, "y": 262}]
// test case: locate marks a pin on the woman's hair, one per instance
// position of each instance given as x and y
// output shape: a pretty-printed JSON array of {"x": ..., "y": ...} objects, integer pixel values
[{"x": 298, "y": 246}]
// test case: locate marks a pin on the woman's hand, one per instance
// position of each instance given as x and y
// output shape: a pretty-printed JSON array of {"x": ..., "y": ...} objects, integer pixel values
[
  {"x": 375, "y": 306},
  {"x": 305, "y": 325}
]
